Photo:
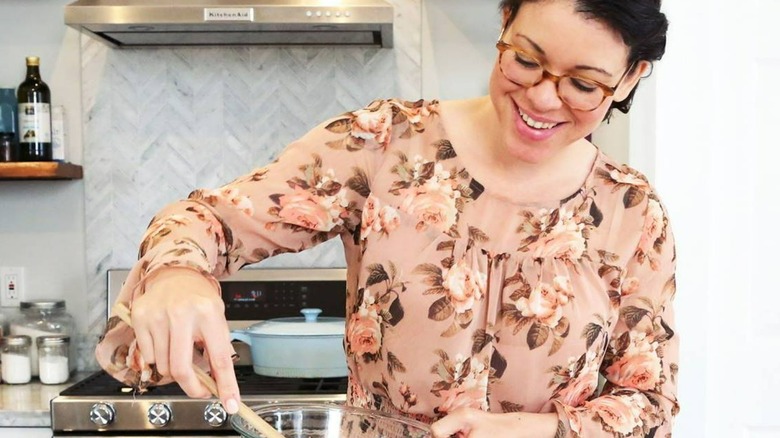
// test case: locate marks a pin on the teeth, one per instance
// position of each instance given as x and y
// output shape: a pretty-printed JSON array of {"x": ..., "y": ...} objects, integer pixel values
[{"x": 536, "y": 125}]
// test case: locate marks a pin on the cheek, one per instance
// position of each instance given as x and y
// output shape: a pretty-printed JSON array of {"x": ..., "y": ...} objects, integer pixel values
[
  {"x": 591, "y": 120},
  {"x": 497, "y": 86}
]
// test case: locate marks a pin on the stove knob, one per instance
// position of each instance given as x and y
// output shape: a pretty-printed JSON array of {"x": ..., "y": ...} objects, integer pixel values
[
  {"x": 215, "y": 415},
  {"x": 159, "y": 414},
  {"x": 102, "y": 414}
]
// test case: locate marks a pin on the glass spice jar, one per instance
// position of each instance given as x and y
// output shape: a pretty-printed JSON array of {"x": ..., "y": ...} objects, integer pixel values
[
  {"x": 42, "y": 318},
  {"x": 15, "y": 359},
  {"x": 53, "y": 358}
]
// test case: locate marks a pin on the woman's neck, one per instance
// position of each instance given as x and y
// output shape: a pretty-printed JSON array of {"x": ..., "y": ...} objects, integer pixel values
[{"x": 475, "y": 131}]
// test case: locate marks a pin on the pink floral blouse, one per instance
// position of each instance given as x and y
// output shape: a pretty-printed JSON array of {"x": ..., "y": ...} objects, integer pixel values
[{"x": 457, "y": 296}]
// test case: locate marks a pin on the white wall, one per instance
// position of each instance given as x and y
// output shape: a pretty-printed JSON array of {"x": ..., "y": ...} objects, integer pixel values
[
  {"x": 42, "y": 223},
  {"x": 458, "y": 47},
  {"x": 670, "y": 135}
]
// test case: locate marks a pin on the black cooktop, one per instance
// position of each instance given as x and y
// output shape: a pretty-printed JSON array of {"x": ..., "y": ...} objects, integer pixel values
[{"x": 101, "y": 384}]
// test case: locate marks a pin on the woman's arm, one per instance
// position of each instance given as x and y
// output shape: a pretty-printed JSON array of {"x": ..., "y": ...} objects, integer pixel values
[
  {"x": 641, "y": 362},
  {"x": 313, "y": 192}
]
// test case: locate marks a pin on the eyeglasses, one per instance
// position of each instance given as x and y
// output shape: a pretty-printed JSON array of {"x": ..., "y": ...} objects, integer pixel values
[{"x": 577, "y": 92}]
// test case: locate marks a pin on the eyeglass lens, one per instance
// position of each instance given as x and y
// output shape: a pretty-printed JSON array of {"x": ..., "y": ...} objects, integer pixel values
[{"x": 578, "y": 93}]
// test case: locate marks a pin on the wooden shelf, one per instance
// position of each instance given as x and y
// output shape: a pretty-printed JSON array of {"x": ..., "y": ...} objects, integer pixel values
[{"x": 40, "y": 170}]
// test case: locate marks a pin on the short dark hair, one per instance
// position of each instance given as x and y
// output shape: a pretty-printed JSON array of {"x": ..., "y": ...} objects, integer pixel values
[{"x": 640, "y": 23}]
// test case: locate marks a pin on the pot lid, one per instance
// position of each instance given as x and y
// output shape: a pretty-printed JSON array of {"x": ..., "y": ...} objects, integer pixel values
[{"x": 310, "y": 324}]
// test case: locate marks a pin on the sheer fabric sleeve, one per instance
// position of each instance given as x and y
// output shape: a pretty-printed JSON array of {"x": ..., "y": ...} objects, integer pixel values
[
  {"x": 641, "y": 362},
  {"x": 314, "y": 191}
]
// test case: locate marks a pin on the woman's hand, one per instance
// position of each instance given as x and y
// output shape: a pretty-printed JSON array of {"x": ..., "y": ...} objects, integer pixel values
[
  {"x": 179, "y": 308},
  {"x": 474, "y": 423}
]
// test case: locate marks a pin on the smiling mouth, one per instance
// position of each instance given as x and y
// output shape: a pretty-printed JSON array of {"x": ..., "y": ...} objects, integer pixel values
[{"x": 542, "y": 126}]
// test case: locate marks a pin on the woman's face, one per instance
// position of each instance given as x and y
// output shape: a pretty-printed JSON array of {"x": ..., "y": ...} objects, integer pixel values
[{"x": 564, "y": 42}]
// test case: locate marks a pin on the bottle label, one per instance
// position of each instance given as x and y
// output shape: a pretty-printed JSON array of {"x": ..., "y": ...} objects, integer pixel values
[{"x": 34, "y": 123}]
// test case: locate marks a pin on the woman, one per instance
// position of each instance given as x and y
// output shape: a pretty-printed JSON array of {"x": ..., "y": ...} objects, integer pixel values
[{"x": 520, "y": 259}]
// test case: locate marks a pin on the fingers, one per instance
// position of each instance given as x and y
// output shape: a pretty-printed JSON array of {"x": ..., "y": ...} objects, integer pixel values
[
  {"x": 181, "y": 362},
  {"x": 178, "y": 308},
  {"x": 161, "y": 347},
  {"x": 216, "y": 338},
  {"x": 145, "y": 344},
  {"x": 151, "y": 332},
  {"x": 458, "y": 423}
]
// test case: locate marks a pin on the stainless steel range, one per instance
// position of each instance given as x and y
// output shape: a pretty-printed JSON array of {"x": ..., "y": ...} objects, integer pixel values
[{"x": 102, "y": 406}]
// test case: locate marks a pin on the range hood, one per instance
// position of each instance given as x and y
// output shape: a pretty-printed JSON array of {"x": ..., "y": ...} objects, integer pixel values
[{"x": 160, "y": 23}]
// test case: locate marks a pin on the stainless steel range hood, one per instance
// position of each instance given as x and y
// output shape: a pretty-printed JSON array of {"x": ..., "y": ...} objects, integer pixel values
[{"x": 157, "y": 23}]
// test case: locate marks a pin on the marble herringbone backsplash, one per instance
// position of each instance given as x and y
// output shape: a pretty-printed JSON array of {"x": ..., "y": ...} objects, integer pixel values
[{"x": 160, "y": 122}]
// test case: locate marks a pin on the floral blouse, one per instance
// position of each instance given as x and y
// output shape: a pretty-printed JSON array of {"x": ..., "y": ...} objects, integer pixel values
[{"x": 457, "y": 296}]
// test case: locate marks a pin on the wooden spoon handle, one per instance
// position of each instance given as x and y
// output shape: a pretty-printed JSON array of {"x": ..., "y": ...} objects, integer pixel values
[{"x": 244, "y": 411}]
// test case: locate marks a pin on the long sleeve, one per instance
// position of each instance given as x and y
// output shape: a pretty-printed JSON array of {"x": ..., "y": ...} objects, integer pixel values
[
  {"x": 641, "y": 361},
  {"x": 314, "y": 191}
]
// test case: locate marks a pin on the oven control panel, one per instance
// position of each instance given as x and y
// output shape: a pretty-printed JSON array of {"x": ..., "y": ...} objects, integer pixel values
[{"x": 246, "y": 301}]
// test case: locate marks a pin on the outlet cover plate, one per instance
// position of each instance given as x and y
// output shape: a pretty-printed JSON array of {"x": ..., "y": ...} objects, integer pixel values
[{"x": 11, "y": 286}]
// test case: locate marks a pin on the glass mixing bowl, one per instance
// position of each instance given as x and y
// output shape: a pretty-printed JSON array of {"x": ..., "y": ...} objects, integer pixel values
[{"x": 330, "y": 421}]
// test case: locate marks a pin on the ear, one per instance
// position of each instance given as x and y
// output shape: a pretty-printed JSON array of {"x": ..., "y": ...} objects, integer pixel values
[
  {"x": 630, "y": 81},
  {"x": 505, "y": 17}
]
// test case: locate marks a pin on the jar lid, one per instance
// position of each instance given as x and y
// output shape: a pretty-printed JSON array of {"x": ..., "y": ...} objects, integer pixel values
[
  {"x": 16, "y": 341},
  {"x": 52, "y": 340},
  {"x": 42, "y": 304}
]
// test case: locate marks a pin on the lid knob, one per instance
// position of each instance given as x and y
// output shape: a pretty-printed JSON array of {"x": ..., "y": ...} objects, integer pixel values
[{"x": 310, "y": 315}]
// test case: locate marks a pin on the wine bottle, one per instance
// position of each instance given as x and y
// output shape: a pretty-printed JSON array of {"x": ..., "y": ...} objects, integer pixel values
[{"x": 34, "y": 115}]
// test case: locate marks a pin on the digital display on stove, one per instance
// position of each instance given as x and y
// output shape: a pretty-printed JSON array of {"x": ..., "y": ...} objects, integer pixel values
[
  {"x": 247, "y": 301},
  {"x": 248, "y": 296}
]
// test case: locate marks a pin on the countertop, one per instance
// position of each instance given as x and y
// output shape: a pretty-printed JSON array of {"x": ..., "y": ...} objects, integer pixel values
[{"x": 28, "y": 405}]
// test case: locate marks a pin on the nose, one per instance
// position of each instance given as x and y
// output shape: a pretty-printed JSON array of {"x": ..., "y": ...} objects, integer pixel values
[{"x": 544, "y": 96}]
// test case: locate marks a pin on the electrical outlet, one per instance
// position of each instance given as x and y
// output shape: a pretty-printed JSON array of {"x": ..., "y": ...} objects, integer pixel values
[{"x": 11, "y": 286}]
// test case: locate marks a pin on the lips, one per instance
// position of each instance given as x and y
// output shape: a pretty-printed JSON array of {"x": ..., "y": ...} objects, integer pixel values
[
  {"x": 536, "y": 122},
  {"x": 535, "y": 128}
]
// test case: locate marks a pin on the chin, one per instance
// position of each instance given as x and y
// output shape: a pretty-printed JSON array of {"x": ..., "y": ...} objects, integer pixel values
[{"x": 529, "y": 153}]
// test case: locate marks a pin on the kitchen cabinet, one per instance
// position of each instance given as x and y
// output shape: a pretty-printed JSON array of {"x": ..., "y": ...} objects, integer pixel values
[{"x": 40, "y": 170}]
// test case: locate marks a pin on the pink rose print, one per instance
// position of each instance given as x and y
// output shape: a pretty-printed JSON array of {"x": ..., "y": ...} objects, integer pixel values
[
  {"x": 652, "y": 230},
  {"x": 378, "y": 219},
  {"x": 580, "y": 389},
  {"x": 434, "y": 202},
  {"x": 640, "y": 366},
  {"x": 630, "y": 286},
  {"x": 642, "y": 371},
  {"x": 364, "y": 332},
  {"x": 457, "y": 398},
  {"x": 622, "y": 177},
  {"x": 582, "y": 385},
  {"x": 311, "y": 211},
  {"x": 374, "y": 125},
  {"x": 389, "y": 219},
  {"x": 575, "y": 423},
  {"x": 545, "y": 302},
  {"x": 415, "y": 115},
  {"x": 465, "y": 286},
  {"x": 358, "y": 395},
  {"x": 471, "y": 391},
  {"x": 618, "y": 413},
  {"x": 231, "y": 195},
  {"x": 432, "y": 208},
  {"x": 565, "y": 239}
]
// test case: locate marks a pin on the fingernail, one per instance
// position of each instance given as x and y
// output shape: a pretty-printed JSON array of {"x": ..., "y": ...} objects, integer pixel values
[{"x": 231, "y": 406}]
